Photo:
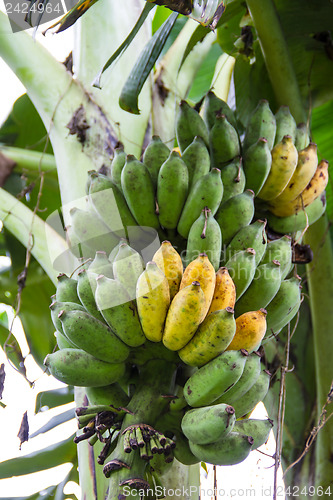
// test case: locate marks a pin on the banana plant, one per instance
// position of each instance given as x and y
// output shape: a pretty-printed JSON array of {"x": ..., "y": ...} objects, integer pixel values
[{"x": 177, "y": 58}]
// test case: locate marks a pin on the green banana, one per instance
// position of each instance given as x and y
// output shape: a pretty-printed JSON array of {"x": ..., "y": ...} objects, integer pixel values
[
  {"x": 253, "y": 396},
  {"x": 77, "y": 367},
  {"x": 182, "y": 451},
  {"x": 216, "y": 377},
  {"x": 111, "y": 394},
  {"x": 284, "y": 305},
  {"x": 66, "y": 289},
  {"x": 189, "y": 124},
  {"x": 214, "y": 105},
  {"x": 110, "y": 204},
  {"x": 93, "y": 336},
  {"x": 119, "y": 311},
  {"x": 63, "y": 342},
  {"x": 302, "y": 139},
  {"x": 207, "y": 192},
  {"x": 249, "y": 376},
  {"x": 234, "y": 214},
  {"x": 78, "y": 248},
  {"x": 139, "y": 192},
  {"x": 156, "y": 153},
  {"x": 242, "y": 267},
  {"x": 127, "y": 267},
  {"x": 172, "y": 189},
  {"x": 279, "y": 249},
  {"x": 92, "y": 231},
  {"x": 285, "y": 124},
  {"x": 256, "y": 428},
  {"x": 58, "y": 306},
  {"x": 117, "y": 165},
  {"x": 86, "y": 286},
  {"x": 101, "y": 265},
  {"x": 231, "y": 450},
  {"x": 211, "y": 338},
  {"x": 251, "y": 236},
  {"x": 233, "y": 179},
  {"x": 301, "y": 220},
  {"x": 197, "y": 159},
  {"x": 208, "y": 424},
  {"x": 265, "y": 285},
  {"x": 262, "y": 123},
  {"x": 257, "y": 163},
  {"x": 204, "y": 237},
  {"x": 223, "y": 142}
]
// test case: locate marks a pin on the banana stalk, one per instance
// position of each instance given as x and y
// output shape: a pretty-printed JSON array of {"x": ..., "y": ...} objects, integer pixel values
[{"x": 31, "y": 161}]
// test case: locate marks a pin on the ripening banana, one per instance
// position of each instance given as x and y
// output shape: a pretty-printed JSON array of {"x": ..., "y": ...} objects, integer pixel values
[
  {"x": 77, "y": 367},
  {"x": 251, "y": 236},
  {"x": 213, "y": 105},
  {"x": 242, "y": 267},
  {"x": 313, "y": 190},
  {"x": 253, "y": 396},
  {"x": 306, "y": 167},
  {"x": 233, "y": 179},
  {"x": 110, "y": 205},
  {"x": 93, "y": 336},
  {"x": 257, "y": 164},
  {"x": 170, "y": 263},
  {"x": 119, "y": 312},
  {"x": 264, "y": 287},
  {"x": 224, "y": 292},
  {"x": 285, "y": 124},
  {"x": 211, "y": 338},
  {"x": 302, "y": 139},
  {"x": 214, "y": 378},
  {"x": 284, "y": 161},
  {"x": 231, "y": 450},
  {"x": 256, "y": 428},
  {"x": 208, "y": 424},
  {"x": 172, "y": 189},
  {"x": 139, "y": 192},
  {"x": 261, "y": 123},
  {"x": 127, "y": 267},
  {"x": 251, "y": 372},
  {"x": 189, "y": 125},
  {"x": 101, "y": 265},
  {"x": 78, "y": 248},
  {"x": 58, "y": 306},
  {"x": 92, "y": 231},
  {"x": 156, "y": 153},
  {"x": 223, "y": 142},
  {"x": 153, "y": 300},
  {"x": 236, "y": 213},
  {"x": 284, "y": 305},
  {"x": 63, "y": 342},
  {"x": 117, "y": 165},
  {"x": 184, "y": 316},
  {"x": 197, "y": 159},
  {"x": 250, "y": 330},
  {"x": 207, "y": 192},
  {"x": 279, "y": 250},
  {"x": 66, "y": 289},
  {"x": 111, "y": 394},
  {"x": 201, "y": 270},
  {"x": 86, "y": 286},
  {"x": 182, "y": 451},
  {"x": 301, "y": 220},
  {"x": 204, "y": 237}
]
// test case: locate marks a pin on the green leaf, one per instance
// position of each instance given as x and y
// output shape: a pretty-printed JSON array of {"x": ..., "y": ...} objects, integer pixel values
[
  {"x": 52, "y": 456},
  {"x": 54, "y": 422},
  {"x": 54, "y": 398},
  {"x": 128, "y": 99},
  {"x": 12, "y": 349},
  {"x": 205, "y": 74}
]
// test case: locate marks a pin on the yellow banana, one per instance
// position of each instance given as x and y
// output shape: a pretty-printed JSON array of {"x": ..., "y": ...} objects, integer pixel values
[
  {"x": 153, "y": 300},
  {"x": 313, "y": 190},
  {"x": 224, "y": 292},
  {"x": 201, "y": 270},
  {"x": 184, "y": 316},
  {"x": 284, "y": 161},
  {"x": 305, "y": 169},
  {"x": 169, "y": 261},
  {"x": 250, "y": 330}
]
